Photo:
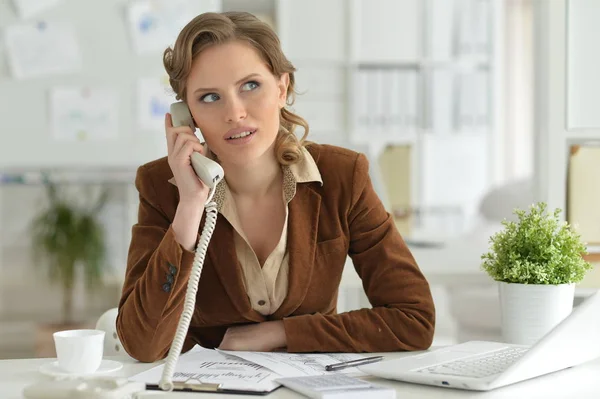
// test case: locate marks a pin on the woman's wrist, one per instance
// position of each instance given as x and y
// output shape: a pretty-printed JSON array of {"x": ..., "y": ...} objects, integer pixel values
[
  {"x": 187, "y": 223},
  {"x": 278, "y": 334}
]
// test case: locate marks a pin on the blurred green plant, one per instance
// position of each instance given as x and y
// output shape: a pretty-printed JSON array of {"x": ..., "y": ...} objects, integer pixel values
[
  {"x": 539, "y": 248},
  {"x": 67, "y": 238}
]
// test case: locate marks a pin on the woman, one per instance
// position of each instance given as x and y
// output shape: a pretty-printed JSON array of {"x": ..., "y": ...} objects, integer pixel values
[{"x": 289, "y": 213}]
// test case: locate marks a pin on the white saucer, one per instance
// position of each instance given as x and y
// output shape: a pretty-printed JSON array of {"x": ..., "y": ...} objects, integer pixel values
[{"x": 53, "y": 369}]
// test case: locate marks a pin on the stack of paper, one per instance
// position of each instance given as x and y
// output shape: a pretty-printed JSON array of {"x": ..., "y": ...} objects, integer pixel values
[{"x": 244, "y": 371}]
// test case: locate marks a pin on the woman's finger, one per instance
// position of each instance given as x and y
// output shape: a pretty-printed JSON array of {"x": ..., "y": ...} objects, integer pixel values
[
  {"x": 176, "y": 135},
  {"x": 170, "y": 137},
  {"x": 184, "y": 145}
]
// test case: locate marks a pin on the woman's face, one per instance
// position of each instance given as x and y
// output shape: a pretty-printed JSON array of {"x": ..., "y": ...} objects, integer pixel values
[{"x": 235, "y": 101}]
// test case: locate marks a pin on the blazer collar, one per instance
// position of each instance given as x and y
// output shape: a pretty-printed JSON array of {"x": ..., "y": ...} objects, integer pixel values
[
  {"x": 306, "y": 170},
  {"x": 303, "y": 171}
]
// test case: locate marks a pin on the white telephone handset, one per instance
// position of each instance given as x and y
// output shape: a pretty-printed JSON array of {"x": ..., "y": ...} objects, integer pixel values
[
  {"x": 207, "y": 170},
  {"x": 211, "y": 174}
]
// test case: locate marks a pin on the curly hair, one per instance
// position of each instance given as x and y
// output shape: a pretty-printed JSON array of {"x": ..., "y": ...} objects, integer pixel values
[{"x": 218, "y": 28}]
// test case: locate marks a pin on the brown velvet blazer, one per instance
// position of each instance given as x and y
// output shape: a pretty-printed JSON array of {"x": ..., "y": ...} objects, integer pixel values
[{"x": 342, "y": 217}]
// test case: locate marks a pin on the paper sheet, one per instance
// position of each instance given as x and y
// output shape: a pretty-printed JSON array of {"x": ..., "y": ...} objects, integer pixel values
[
  {"x": 298, "y": 364},
  {"x": 154, "y": 98},
  {"x": 155, "y": 24},
  {"x": 84, "y": 113},
  {"x": 210, "y": 366},
  {"x": 39, "y": 49},
  {"x": 28, "y": 8}
]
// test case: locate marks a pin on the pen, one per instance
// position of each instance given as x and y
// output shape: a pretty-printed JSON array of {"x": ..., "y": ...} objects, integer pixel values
[{"x": 352, "y": 363}]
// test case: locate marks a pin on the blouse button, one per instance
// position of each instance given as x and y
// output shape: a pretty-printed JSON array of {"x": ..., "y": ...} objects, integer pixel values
[{"x": 261, "y": 303}]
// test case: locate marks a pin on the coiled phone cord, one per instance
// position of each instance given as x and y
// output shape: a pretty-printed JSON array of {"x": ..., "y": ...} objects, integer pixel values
[{"x": 166, "y": 381}]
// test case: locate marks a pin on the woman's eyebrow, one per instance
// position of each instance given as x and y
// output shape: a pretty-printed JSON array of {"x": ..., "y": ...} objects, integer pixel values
[{"x": 252, "y": 75}]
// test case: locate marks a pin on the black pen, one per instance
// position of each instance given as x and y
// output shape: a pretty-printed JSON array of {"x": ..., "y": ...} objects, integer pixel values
[{"x": 353, "y": 363}]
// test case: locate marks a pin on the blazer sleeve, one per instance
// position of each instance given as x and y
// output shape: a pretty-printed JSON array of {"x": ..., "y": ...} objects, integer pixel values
[
  {"x": 402, "y": 315},
  {"x": 153, "y": 293}
]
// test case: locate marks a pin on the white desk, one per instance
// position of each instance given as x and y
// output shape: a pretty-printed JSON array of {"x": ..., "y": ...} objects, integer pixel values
[{"x": 580, "y": 382}]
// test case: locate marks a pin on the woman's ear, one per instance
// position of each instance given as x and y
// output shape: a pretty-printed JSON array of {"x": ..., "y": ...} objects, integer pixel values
[{"x": 284, "y": 82}]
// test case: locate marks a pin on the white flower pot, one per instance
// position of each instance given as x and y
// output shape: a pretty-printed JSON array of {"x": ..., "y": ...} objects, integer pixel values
[{"x": 530, "y": 311}]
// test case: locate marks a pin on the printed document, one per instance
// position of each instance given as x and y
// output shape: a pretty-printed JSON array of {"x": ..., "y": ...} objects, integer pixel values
[
  {"x": 155, "y": 24},
  {"x": 210, "y": 366},
  {"x": 83, "y": 113},
  {"x": 298, "y": 364},
  {"x": 247, "y": 371},
  {"x": 154, "y": 98}
]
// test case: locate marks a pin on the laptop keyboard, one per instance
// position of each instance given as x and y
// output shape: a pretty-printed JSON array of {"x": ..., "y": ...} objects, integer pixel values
[{"x": 478, "y": 366}]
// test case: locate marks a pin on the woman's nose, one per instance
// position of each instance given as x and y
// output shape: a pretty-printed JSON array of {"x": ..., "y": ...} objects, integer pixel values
[{"x": 235, "y": 110}]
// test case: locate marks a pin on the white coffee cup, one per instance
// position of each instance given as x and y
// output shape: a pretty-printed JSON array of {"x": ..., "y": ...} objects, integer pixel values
[{"x": 79, "y": 351}]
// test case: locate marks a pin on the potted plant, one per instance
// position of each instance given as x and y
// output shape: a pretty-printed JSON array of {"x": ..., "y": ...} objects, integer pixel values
[
  {"x": 537, "y": 261},
  {"x": 69, "y": 240}
]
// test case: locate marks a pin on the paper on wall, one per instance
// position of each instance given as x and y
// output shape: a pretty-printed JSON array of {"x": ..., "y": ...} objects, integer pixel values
[
  {"x": 155, "y": 24},
  {"x": 28, "y": 8},
  {"x": 154, "y": 99},
  {"x": 80, "y": 114},
  {"x": 39, "y": 49}
]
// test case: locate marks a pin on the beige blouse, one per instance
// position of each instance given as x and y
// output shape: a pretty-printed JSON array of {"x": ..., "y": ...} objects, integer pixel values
[{"x": 267, "y": 286}]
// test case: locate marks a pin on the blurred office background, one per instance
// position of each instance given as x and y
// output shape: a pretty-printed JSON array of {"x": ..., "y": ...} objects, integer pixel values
[{"x": 459, "y": 105}]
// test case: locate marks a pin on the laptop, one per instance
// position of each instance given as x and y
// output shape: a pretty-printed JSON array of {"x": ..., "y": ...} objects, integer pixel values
[{"x": 483, "y": 365}]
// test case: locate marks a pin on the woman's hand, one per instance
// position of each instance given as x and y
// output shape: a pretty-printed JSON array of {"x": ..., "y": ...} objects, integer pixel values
[
  {"x": 181, "y": 143},
  {"x": 262, "y": 337}
]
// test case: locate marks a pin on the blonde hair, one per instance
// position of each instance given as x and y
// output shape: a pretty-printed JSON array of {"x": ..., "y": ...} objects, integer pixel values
[{"x": 218, "y": 28}]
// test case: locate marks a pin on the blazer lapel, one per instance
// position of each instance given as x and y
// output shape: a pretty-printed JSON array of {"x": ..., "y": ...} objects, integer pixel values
[
  {"x": 302, "y": 238},
  {"x": 227, "y": 267}
]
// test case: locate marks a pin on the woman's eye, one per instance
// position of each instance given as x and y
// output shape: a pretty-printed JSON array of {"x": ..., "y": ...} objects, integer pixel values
[
  {"x": 209, "y": 98},
  {"x": 250, "y": 86}
]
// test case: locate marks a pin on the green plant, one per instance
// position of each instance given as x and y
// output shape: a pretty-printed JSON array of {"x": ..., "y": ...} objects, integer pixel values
[
  {"x": 67, "y": 237},
  {"x": 537, "y": 249}
]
